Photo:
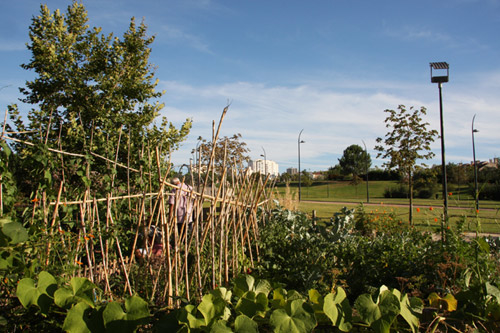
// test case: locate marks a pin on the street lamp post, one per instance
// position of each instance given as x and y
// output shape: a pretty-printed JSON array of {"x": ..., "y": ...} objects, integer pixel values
[
  {"x": 476, "y": 192},
  {"x": 366, "y": 165},
  {"x": 440, "y": 79},
  {"x": 298, "y": 144}
]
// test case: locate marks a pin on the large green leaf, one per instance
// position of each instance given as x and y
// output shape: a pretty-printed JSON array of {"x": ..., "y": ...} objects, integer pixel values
[
  {"x": 380, "y": 315},
  {"x": 220, "y": 326},
  {"x": 409, "y": 309},
  {"x": 223, "y": 293},
  {"x": 213, "y": 308},
  {"x": 252, "y": 304},
  {"x": 9, "y": 259},
  {"x": 188, "y": 317},
  {"x": 82, "y": 318},
  {"x": 39, "y": 294},
  {"x": 264, "y": 287},
  {"x": 279, "y": 298},
  {"x": 27, "y": 292},
  {"x": 337, "y": 308},
  {"x": 242, "y": 284},
  {"x": 243, "y": 324},
  {"x": 297, "y": 316},
  {"x": 317, "y": 304},
  {"x": 14, "y": 231},
  {"x": 80, "y": 290},
  {"x": 245, "y": 283},
  {"x": 315, "y": 297},
  {"x": 493, "y": 291},
  {"x": 117, "y": 320},
  {"x": 448, "y": 302}
]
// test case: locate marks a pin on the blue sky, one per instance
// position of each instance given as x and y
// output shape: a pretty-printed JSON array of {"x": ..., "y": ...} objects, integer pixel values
[{"x": 328, "y": 67}]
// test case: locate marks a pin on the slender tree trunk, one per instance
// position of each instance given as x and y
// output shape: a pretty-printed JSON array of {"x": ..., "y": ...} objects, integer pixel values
[{"x": 410, "y": 189}]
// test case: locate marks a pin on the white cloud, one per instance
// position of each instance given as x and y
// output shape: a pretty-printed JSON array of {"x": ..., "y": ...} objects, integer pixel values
[{"x": 272, "y": 117}]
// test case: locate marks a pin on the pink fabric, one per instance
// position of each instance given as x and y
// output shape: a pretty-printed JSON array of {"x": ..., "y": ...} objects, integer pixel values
[{"x": 185, "y": 205}]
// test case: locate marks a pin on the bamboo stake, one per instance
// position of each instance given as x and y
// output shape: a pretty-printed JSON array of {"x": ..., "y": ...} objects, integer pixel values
[
  {"x": 86, "y": 239},
  {"x": 136, "y": 237},
  {"x": 103, "y": 252},
  {"x": 50, "y": 227},
  {"x": 122, "y": 261},
  {"x": 5, "y": 122},
  {"x": 49, "y": 149},
  {"x": 116, "y": 157},
  {"x": 128, "y": 174}
]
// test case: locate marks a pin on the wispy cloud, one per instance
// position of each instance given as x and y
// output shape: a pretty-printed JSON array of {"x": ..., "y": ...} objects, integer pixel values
[
  {"x": 12, "y": 46},
  {"x": 425, "y": 34},
  {"x": 177, "y": 35},
  {"x": 417, "y": 33}
]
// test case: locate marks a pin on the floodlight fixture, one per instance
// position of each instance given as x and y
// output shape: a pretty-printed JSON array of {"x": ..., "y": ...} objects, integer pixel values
[{"x": 438, "y": 70}]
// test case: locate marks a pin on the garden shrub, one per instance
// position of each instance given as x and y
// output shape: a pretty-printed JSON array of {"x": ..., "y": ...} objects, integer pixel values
[
  {"x": 489, "y": 192},
  {"x": 425, "y": 193},
  {"x": 296, "y": 252},
  {"x": 362, "y": 250},
  {"x": 399, "y": 191}
]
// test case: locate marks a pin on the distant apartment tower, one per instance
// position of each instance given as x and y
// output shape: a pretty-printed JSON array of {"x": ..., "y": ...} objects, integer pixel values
[
  {"x": 263, "y": 167},
  {"x": 292, "y": 171}
]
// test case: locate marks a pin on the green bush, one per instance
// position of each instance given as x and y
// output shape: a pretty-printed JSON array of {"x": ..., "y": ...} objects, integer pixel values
[
  {"x": 400, "y": 191},
  {"x": 361, "y": 251},
  {"x": 296, "y": 252},
  {"x": 489, "y": 192},
  {"x": 425, "y": 193}
]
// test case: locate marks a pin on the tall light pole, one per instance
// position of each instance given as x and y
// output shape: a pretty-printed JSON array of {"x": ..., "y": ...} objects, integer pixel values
[
  {"x": 366, "y": 165},
  {"x": 197, "y": 152},
  {"x": 476, "y": 192},
  {"x": 440, "y": 79},
  {"x": 265, "y": 161},
  {"x": 298, "y": 143}
]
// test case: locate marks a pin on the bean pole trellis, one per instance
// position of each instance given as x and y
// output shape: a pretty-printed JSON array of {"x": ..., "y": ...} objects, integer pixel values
[{"x": 222, "y": 242}]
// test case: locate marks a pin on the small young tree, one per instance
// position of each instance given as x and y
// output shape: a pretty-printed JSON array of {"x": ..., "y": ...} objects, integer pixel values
[
  {"x": 407, "y": 141},
  {"x": 355, "y": 161},
  {"x": 230, "y": 149},
  {"x": 306, "y": 178}
]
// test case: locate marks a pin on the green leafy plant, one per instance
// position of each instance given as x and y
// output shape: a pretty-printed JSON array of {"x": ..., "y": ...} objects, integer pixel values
[
  {"x": 267, "y": 306},
  {"x": 38, "y": 293},
  {"x": 382, "y": 314},
  {"x": 83, "y": 311}
]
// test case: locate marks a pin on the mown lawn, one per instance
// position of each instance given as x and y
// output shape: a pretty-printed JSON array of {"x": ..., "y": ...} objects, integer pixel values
[{"x": 327, "y": 198}]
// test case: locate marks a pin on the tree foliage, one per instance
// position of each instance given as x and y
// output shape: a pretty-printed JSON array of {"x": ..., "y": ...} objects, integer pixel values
[
  {"x": 355, "y": 161},
  {"x": 306, "y": 178},
  {"x": 230, "y": 149},
  {"x": 92, "y": 91},
  {"x": 407, "y": 141}
]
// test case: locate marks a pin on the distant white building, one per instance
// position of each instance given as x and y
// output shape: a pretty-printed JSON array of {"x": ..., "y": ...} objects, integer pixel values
[{"x": 263, "y": 167}]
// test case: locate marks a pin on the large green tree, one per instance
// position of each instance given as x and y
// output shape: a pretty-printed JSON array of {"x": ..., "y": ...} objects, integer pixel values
[
  {"x": 92, "y": 92},
  {"x": 407, "y": 141},
  {"x": 355, "y": 161}
]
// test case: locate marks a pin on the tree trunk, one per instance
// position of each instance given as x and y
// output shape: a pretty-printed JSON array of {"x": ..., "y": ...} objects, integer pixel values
[{"x": 410, "y": 189}]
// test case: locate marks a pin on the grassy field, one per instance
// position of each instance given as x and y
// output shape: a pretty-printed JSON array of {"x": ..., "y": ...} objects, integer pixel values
[{"x": 327, "y": 198}]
